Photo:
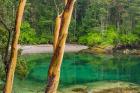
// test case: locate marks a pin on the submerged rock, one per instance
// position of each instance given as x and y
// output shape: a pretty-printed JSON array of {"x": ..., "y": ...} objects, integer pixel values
[
  {"x": 103, "y": 87},
  {"x": 119, "y": 90},
  {"x": 74, "y": 89},
  {"x": 80, "y": 90},
  {"x": 94, "y": 87},
  {"x": 115, "y": 87}
]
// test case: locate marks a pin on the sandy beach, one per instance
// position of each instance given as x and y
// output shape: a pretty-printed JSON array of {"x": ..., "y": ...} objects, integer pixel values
[{"x": 31, "y": 49}]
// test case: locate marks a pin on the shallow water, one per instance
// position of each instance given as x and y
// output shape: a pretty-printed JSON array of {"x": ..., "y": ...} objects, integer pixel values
[{"x": 79, "y": 69}]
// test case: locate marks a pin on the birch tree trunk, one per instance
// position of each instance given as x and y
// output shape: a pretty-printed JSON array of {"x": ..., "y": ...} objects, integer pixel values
[
  {"x": 14, "y": 48},
  {"x": 54, "y": 68}
]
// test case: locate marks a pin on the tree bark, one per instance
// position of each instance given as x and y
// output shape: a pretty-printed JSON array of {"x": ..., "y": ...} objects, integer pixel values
[
  {"x": 65, "y": 2},
  {"x": 56, "y": 31},
  {"x": 54, "y": 68},
  {"x": 14, "y": 48}
]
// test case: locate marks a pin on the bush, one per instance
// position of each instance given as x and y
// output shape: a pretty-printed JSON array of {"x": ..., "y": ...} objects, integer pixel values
[
  {"x": 28, "y": 34},
  {"x": 128, "y": 39},
  {"x": 91, "y": 39},
  {"x": 44, "y": 39},
  {"x": 22, "y": 68},
  {"x": 96, "y": 37},
  {"x": 110, "y": 37}
]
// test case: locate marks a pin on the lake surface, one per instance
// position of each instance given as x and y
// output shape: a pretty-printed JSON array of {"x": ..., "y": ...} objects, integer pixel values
[{"x": 79, "y": 69}]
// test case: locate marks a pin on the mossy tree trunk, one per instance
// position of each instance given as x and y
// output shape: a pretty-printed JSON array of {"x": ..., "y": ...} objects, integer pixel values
[
  {"x": 59, "y": 46},
  {"x": 14, "y": 48}
]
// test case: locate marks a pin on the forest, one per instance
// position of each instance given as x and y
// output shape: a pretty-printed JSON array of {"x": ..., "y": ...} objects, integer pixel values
[
  {"x": 110, "y": 22},
  {"x": 101, "y": 38}
]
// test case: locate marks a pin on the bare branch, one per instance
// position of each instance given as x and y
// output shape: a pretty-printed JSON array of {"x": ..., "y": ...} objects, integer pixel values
[
  {"x": 5, "y": 26},
  {"x": 56, "y": 7}
]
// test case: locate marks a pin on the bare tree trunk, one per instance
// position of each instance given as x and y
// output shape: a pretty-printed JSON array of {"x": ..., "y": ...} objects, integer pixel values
[
  {"x": 54, "y": 69},
  {"x": 56, "y": 31},
  {"x": 14, "y": 48}
]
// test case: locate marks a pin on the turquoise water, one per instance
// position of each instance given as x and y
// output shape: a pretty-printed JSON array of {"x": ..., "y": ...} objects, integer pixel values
[{"x": 80, "y": 68}]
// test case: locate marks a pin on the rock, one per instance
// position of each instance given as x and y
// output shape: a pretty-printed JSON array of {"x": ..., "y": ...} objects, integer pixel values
[
  {"x": 119, "y": 90},
  {"x": 114, "y": 87},
  {"x": 110, "y": 50},
  {"x": 99, "y": 50},
  {"x": 128, "y": 51},
  {"x": 136, "y": 52}
]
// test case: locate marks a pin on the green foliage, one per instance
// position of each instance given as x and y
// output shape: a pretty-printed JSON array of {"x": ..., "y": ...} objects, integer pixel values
[
  {"x": 94, "y": 22},
  {"x": 2, "y": 71},
  {"x": 137, "y": 29},
  {"x": 128, "y": 39},
  {"x": 110, "y": 23},
  {"x": 22, "y": 68},
  {"x": 3, "y": 40},
  {"x": 96, "y": 37},
  {"x": 110, "y": 37},
  {"x": 28, "y": 34},
  {"x": 44, "y": 39},
  {"x": 91, "y": 39}
]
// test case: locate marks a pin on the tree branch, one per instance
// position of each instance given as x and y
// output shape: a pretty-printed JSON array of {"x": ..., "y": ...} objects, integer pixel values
[
  {"x": 56, "y": 7},
  {"x": 5, "y": 26}
]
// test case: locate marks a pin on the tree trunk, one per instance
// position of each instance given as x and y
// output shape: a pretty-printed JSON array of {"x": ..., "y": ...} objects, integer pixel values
[
  {"x": 56, "y": 31},
  {"x": 54, "y": 69},
  {"x": 65, "y": 2},
  {"x": 14, "y": 48}
]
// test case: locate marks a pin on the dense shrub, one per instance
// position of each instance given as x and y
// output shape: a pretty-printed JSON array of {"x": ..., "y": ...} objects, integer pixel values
[
  {"x": 128, "y": 39},
  {"x": 29, "y": 35},
  {"x": 96, "y": 37},
  {"x": 91, "y": 39},
  {"x": 108, "y": 37},
  {"x": 44, "y": 39}
]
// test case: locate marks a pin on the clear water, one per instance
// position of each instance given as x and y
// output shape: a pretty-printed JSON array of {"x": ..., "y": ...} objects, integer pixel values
[{"x": 81, "y": 69}]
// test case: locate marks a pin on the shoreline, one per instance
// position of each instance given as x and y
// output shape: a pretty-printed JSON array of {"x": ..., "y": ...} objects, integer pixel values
[
  {"x": 93, "y": 87},
  {"x": 110, "y": 50},
  {"x": 48, "y": 48}
]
